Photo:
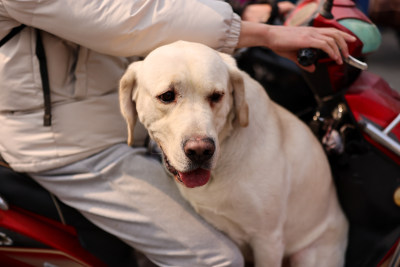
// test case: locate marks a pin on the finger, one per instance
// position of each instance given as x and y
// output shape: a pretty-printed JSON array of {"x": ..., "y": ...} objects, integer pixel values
[
  {"x": 348, "y": 37},
  {"x": 333, "y": 45},
  {"x": 343, "y": 47},
  {"x": 341, "y": 39},
  {"x": 325, "y": 44},
  {"x": 342, "y": 42}
]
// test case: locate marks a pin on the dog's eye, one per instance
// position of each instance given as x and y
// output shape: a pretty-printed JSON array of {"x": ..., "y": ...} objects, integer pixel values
[
  {"x": 215, "y": 97},
  {"x": 167, "y": 97}
]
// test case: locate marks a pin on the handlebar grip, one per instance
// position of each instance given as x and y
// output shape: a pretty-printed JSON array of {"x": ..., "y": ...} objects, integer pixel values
[{"x": 307, "y": 56}]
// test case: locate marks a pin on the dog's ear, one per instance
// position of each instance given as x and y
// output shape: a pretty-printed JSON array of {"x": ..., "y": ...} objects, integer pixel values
[
  {"x": 127, "y": 87},
  {"x": 236, "y": 78}
]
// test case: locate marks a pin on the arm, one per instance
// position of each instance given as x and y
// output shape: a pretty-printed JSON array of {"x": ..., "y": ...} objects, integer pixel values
[
  {"x": 126, "y": 28},
  {"x": 286, "y": 40}
]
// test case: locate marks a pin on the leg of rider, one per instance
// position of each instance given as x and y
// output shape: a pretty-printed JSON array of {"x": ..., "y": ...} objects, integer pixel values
[{"x": 129, "y": 195}]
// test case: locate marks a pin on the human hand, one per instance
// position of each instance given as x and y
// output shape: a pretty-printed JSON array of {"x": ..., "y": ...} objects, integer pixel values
[
  {"x": 287, "y": 40},
  {"x": 262, "y": 12}
]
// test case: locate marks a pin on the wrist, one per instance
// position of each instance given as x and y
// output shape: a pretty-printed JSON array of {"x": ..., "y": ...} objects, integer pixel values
[{"x": 254, "y": 34}]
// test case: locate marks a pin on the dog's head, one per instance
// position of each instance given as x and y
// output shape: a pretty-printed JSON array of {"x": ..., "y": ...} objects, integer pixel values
[{"x": 189, "y": 97}]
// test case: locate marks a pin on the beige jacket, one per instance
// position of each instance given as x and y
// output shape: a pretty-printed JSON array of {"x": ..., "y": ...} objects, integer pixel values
[{"x": 87, "y": 43}]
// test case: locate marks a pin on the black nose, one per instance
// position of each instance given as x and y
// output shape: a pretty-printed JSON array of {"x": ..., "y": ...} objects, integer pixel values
[{"x": 200, "y": 149}]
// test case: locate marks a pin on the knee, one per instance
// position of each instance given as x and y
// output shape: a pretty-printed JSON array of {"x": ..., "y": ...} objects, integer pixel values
[
  {"x": 227, "y": 258},
  {"x": 236, "y": 260}
]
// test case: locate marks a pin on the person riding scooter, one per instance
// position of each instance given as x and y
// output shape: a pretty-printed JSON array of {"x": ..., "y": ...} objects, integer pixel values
[{"x": 77, "y": 150}]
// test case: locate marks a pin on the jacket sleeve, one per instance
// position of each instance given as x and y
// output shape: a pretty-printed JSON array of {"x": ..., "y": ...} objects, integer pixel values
[{"x": 131, "y": 27}]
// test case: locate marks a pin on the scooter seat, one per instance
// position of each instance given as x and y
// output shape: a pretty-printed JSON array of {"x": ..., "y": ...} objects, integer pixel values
[{"x": 20, "y": 190}]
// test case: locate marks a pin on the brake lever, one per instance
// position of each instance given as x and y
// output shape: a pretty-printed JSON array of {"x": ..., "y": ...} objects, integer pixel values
[{"x": 352, "y": 61}]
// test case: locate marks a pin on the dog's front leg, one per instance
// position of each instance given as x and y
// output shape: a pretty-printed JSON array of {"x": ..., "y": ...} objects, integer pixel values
[{"x": 268, "y": 251}]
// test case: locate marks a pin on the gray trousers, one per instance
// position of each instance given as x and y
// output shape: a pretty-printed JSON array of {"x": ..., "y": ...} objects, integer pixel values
[{"x": 127, "y": 193}]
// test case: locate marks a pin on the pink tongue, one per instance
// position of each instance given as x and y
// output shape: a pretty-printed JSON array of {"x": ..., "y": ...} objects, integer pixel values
[{"x": 195, "y": 178}]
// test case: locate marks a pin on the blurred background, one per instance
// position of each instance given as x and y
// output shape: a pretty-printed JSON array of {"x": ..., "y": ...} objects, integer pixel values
[{"x": 386, "y": 61}]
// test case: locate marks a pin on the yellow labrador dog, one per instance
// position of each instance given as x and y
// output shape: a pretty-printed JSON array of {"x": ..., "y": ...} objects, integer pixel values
[{"x": 248, "y": 166}]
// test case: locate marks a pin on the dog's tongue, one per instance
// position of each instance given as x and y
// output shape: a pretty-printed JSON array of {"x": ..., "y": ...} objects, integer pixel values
[{"x": 195, "y": 178}]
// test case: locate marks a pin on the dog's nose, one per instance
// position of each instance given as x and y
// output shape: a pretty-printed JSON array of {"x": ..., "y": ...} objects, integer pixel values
[{"x": 199, "y": 150}]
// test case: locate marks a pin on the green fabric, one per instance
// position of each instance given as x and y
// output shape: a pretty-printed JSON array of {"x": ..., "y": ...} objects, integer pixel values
[{"x": 366, "y": 32}]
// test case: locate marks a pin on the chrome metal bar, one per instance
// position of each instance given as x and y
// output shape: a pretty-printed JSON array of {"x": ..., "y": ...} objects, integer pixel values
[
  {"x": 3, "y": 204},
  {"x": 396, "y": 257},
  {"x": 60, "y": 214},
  {"x": 356, "y": 63},
  {"x": 392, "y": 125},
  {"x": 380, "y": 137}
]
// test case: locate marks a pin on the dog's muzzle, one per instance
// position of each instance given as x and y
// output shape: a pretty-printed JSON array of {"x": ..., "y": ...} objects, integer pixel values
[{"x": 199, "y": 150}]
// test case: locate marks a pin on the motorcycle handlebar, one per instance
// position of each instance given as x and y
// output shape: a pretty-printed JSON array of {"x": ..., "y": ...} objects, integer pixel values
[{"x": 308, "y": 56}]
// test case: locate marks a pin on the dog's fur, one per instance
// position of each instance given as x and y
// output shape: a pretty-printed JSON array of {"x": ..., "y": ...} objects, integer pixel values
[{"x": 270, "y": 189}]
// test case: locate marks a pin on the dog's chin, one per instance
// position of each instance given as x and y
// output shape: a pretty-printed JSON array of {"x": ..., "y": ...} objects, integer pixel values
[{"x": 191, "y": 179}]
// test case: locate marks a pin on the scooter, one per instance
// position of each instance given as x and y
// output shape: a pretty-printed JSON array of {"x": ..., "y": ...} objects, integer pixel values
[
  {"x": 354, "y": 113},
  {"x": 356, "y": 116}
]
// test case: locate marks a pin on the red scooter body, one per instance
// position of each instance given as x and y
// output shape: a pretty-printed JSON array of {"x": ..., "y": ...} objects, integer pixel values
[
  {"x": 369, "y": 97},
  {"x": 358, "y": 122},
  {"x": 54, "y": 242}
]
